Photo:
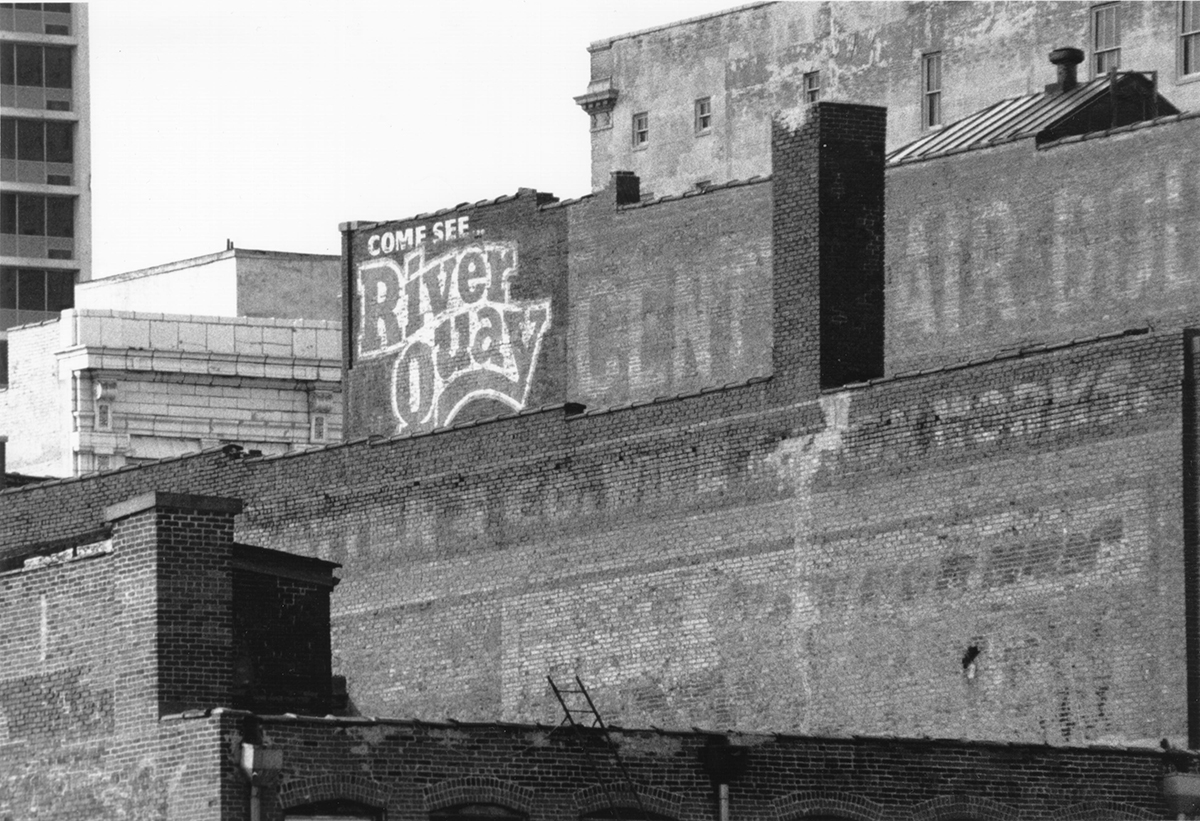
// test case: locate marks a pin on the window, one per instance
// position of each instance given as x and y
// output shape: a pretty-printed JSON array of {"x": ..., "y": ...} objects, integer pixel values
[
  {"x": 26, "y": 65},
  {"x": 1189, "y": 37},
  {"x": 812, "y": 86},
  {"x": 931, "y": 90},
  {"x": 33, "y": 294},
  {"x": 641, "y": 129},
  {"x": 37, "y": 215},
  {"x": 476, "y": 812},
  {"x": 1106, "y": 39},
  {"x": 339, "y": 809},
  {"x": 704, "y": 115}
]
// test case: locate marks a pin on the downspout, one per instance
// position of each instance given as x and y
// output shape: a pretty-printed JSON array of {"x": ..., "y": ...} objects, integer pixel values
[
  {"x": 1191, "y": 521},
  {"x": 348, "y": 295}
]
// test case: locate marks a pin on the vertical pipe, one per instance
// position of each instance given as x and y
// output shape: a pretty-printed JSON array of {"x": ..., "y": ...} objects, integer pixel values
[
  {"x": 255, "y": 803},
  {"x": 723, "y": 802},
  {"x": 1191, "y": 562}
]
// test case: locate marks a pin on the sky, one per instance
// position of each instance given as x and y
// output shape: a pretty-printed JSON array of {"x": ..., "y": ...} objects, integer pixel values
[{"x": 269, "y": 123}]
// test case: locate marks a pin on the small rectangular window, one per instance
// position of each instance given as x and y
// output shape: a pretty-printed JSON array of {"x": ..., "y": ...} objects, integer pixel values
[
  {"x": 29, "y": 65},
  {"x": 31, "y": 289},
  {"x": 60, "y": 142},
  {"x": 931, "y": 90},
  {"x": 641, "y": 129},
  {"x": 8, "y": 213},
  {"x": 8, "y": 139},
  {"x": 812, "y": 86},
  {"x": 8, "y": 64},
  {"x": 8, "y": 289},
  {"x": 31, "y": 215},
  {"x": 1189, "y": 37},
  {"x": 31, "y": 140},
  {"x": 60, "y": 217},
  {"x": 703, "y": 117},
  {"x": 58, "y": 67},
  {"x": 1106, "y": 38}
]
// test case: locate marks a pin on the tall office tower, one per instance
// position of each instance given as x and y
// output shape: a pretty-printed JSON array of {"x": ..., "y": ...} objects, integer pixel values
[{"x": 45, "y": 162}]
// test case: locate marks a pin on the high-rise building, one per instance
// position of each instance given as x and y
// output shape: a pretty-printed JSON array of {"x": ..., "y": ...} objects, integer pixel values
[{"x": 45, "y": 161}]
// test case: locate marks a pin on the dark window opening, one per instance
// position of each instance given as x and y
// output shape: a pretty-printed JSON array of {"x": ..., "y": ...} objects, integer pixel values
[
  {"x": 626, "y": 814},
  {"x": 58, "y": 68},
  {"x": 340, "y": 808},
  {"x": 29, "y": 65},
  {"x": 8, "y": 62},
  {"x": 476, "y": 812},
  {"x": 8, "y": 139},
  {"x": 60, "y": 142},
  {"x": 31, "y": 215},
  {"x": 8, "y": 213},
  {"x": 31, "y": 140}
]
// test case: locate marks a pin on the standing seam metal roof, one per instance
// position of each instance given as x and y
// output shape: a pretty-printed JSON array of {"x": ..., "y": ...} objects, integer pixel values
[{"x": 1009, "y": 119}]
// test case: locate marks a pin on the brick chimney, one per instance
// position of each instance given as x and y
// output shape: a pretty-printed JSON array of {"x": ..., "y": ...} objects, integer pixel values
[{"x": 827, "y": 229}]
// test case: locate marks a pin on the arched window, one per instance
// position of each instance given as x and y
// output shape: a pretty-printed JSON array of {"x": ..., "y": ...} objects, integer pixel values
[
  {"x": 476, "y": 812},
  {"x": 625, "y": 814},
  {"x": 337, "y": 809}
]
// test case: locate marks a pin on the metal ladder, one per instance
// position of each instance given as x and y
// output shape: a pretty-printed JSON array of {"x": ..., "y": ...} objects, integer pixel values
[{"x": 578, "y": 730}]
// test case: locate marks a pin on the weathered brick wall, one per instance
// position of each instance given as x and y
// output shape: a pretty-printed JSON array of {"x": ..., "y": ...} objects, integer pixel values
[
  {"x": 456, "y": 316},
  {"x": 90, "y": 647},
  {"x": 721, "y": 561},
  {"x": 670, "y": 296},
  {"x": 281, "y": 653},
  {"x": 1009, "y": 246},
  {"x": 411, "y": 770}
]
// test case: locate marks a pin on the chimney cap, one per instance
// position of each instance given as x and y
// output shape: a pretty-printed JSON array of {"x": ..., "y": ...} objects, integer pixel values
[{"x": 1066, "y": 56}]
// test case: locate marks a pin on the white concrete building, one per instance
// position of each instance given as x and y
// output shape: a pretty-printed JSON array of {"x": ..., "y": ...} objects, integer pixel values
[
  {"x": 97, "y": 390},
  {"x": 240, "y": 347}
]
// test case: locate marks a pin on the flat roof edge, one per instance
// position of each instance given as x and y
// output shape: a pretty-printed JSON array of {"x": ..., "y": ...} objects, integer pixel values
[{"x": 605, "y": 42}]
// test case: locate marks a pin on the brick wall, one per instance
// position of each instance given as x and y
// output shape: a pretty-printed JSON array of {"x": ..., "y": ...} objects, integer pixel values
[
  {"x": 1010, "y": 246},
  {"x": 411, "y": 770},
  {"x": 456, "y": 316},
  {"x": 670, "y": 296},
  {"x": 155, "y": 613},
  {"x": 723, "y": 561},
  {"x": 280, "y": 611}
]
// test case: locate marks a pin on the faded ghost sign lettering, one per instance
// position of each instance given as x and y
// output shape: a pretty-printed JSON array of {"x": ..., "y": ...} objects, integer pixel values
[{"x": 455, "y": 331}]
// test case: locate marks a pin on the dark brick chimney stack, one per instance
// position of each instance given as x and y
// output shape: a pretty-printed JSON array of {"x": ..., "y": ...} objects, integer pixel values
[{"x": 627, "y": 187}]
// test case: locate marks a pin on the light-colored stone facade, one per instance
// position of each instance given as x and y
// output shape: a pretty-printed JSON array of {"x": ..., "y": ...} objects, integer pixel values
[
  {"x": 758, "y": 59},
  {"x": 100, "y": 389}
]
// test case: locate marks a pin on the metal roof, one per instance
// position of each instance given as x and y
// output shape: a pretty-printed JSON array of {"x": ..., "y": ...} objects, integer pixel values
[{"x": 1027, "y": 116}]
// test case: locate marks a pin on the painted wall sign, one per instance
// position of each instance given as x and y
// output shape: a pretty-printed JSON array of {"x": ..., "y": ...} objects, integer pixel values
[
  {"x": 455, "y": 331},
  {"x": 413, "y": 235}
]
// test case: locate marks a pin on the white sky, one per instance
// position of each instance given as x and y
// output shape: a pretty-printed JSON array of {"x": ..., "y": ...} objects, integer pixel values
[{"x": 268, "y": 123}]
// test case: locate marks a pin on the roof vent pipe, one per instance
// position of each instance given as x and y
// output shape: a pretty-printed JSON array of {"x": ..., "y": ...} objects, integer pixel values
[{"x": 1065, "y": 60}]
